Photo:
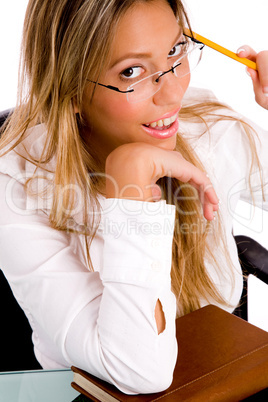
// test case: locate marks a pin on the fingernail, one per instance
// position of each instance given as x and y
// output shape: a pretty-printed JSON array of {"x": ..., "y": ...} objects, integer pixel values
[
  {"x": 241, "y": 49},
  {"x": 247, "y": 71},
  {"x": 265, "y": 91}
]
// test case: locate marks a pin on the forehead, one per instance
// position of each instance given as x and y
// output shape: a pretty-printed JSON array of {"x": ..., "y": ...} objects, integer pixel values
[{"x": 144, "y": 28}]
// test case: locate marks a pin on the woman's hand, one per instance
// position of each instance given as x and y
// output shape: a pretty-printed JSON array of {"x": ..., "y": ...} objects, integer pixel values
[
  {"x": 260, "y": 77},
  {"x": 132, "y": 171}
]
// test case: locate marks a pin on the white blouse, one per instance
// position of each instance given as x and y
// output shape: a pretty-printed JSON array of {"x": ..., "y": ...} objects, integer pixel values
[{"x": 103, "y": 321}]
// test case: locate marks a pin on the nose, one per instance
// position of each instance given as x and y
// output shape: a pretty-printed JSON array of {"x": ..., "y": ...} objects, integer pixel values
[{"x": 172, "y": 89}]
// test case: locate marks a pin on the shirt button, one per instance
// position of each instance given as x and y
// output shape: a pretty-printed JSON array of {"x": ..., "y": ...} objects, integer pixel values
[{"x": 156, "y": 266}]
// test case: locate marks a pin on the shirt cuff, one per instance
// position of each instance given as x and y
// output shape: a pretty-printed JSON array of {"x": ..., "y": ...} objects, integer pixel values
[{"x": 137, "y": 242}]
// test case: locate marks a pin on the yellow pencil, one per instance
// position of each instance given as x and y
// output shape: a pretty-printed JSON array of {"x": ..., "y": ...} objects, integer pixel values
[{"x": 220, "y": 49}]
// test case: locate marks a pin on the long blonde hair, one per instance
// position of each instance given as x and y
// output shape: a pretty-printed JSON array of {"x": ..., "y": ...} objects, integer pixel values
[{"x": 64, "y": 42}]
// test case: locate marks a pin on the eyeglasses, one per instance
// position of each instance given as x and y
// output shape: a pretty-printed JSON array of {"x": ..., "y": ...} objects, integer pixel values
[{"x": 189, "y": 57}]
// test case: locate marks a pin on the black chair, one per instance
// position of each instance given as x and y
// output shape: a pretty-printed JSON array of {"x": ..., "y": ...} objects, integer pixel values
[
  {"x": 15, "y": 334},
  {"x": 4, "y": 115},
  {"x": 253, "y": 258}
]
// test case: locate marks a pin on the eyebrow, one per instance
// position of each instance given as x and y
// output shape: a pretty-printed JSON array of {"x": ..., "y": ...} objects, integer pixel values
[{"x": 134, "y": 55}]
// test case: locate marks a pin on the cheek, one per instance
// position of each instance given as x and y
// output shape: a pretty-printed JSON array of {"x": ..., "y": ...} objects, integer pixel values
[
  {"x": 114, "y": 109},
  {"x": 185, "y": 81},
  {"x": 121, "y": 110}
]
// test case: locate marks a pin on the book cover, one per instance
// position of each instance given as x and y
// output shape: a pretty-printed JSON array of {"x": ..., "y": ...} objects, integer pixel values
[{"x": 221, "y": 358}]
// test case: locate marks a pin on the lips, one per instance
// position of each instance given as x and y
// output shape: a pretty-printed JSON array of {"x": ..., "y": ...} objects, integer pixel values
[{"x": 163, "y": 128}]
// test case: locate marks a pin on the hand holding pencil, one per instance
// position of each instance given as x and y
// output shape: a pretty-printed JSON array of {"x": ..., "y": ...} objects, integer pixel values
[
  {"x": 257, "y": 65},
  {"x": 221, "y": 49}
]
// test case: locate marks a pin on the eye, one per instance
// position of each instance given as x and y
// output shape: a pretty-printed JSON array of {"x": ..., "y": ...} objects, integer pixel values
[
  {"x": 179, "y": 49},
  {"x": 131, "y": 73}
]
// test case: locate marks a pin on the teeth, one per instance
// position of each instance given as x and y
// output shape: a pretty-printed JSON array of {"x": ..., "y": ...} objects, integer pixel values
[{"x": 163, "y": 122}]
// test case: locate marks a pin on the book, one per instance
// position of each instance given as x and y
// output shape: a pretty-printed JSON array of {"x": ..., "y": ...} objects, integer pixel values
[{"x": 221, "y": 358}]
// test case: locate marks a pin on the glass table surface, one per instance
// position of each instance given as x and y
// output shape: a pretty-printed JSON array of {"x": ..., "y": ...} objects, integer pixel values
[
  {"x": 37, "y": 386},
  {"x": 54, "y": 386}
]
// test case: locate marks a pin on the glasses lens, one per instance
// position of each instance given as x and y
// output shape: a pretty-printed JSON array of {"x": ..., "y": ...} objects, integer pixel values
[
  {"x": 144, "y": 89},
  {"x": 187, "y": 63},
  {"x": 149, "y": 86}
]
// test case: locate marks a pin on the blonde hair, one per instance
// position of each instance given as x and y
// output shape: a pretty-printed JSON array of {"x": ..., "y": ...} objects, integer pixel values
[
  {"x": 192, "y": 282},
  {"x": 64, "y": 43}
]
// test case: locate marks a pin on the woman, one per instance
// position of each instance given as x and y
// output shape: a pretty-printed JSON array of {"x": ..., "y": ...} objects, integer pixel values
[{"x": 89, "y": 172}]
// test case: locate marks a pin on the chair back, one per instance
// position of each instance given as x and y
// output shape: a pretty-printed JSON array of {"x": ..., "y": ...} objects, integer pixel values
[{"x": 4, "y": 115}]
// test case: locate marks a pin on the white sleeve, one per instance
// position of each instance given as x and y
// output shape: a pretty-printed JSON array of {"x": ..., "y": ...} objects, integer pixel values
[{"x": 101, "y": 321}]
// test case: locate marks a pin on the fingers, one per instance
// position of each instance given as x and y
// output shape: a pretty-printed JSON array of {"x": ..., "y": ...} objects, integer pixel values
[
  {"x": 262, "y": 65},
  {"x": 247, "y": 52},
  {"x": 208, "y": 198},
  {"x": 210, "y": 208},
  {"x": 144, "y": 165},
  {"x": 188, "y": 173},
  {"x": 209, "y": 211},
  {"x": 259, "y": 77}
]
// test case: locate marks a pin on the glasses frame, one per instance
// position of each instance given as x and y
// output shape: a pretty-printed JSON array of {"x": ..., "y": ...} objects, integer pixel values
[{"x": 161, "y": 73}]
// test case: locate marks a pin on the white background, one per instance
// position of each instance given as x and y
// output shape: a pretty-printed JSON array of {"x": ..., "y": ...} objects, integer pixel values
[{"x": 230, "y": 23}]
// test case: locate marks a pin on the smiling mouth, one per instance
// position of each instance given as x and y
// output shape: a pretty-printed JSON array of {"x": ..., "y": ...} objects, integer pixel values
[
  {"x": 162, "y": 124},
  {"x": 163, "y": 128}
]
